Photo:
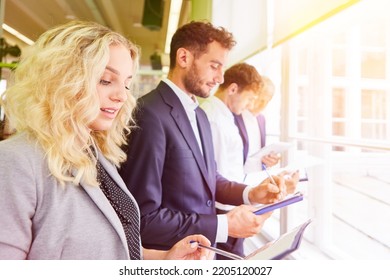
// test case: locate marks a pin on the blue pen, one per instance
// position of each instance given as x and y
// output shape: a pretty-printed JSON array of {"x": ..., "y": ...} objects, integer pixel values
[{"x": 269, "y": 176}]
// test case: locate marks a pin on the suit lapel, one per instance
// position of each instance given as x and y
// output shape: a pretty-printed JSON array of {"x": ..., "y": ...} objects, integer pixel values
[{"x": 208, "y": 151}]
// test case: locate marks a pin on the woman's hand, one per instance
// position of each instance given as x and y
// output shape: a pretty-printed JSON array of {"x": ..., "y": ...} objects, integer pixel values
[{"x": 188, "y": 249}]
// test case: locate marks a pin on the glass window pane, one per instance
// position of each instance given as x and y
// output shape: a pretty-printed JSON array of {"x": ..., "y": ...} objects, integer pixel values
[
  {"x": 373, "y": 34},
  {"x": 302, "y": 56},
  {"x": 373, "y": 65},
  {"x": 374, "y": 104},
  {"x": 338, "y": 129},
  {"x": 302, "y": 126},
  {"x": 376, "y": 131},
  {"x": 338, "y": 62},
  {"x": 338, "y": 105},
  {"x": 302, "y": 101}
]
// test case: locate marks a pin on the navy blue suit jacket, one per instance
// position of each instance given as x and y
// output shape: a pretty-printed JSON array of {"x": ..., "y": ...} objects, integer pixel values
[{"x": 174, "y": 184}]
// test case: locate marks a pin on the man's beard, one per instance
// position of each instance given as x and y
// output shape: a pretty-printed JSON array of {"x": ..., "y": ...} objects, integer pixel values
[{"x": 192, "y": 83}]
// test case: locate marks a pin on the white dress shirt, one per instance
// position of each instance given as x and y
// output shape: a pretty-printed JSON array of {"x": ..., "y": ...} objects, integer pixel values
[{"x": 228, "y": 145}]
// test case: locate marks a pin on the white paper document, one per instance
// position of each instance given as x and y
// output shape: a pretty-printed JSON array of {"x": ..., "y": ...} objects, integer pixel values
[{"x": 277, "y": 147}]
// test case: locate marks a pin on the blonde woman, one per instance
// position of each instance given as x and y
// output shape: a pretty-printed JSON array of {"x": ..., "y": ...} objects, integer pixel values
[{"x": 60, "y": 194}]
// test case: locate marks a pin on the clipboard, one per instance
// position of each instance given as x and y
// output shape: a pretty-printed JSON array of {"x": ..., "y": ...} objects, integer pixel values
[
  {"x": 287, "y": 201},
  {"x": 278, "y": 249}
]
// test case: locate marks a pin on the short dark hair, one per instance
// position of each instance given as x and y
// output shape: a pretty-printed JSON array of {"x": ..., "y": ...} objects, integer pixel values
[
  {"x": 244, "y": 75},
  {"x": 196, "y": 36}
]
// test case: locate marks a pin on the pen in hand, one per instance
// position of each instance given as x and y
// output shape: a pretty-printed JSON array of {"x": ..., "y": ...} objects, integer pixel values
[
  {"x": 282, "y": 193},
  {"x": 220, "y": 252},
  {"x": 269, "y": 176}
]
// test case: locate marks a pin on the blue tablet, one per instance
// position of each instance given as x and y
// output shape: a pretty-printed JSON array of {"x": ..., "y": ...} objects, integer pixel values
[{"x": 287, "y": 201}]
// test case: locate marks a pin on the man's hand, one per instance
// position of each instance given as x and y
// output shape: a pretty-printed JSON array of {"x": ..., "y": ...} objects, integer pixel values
[
  {"x": 291, "y": 179},
  {"x": 270, "y": 159},
  {"x": 242, "y": 222},
  {"x": 266, "y": 192}
]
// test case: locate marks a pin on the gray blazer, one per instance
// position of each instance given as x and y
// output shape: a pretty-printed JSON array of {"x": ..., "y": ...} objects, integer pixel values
[{"x": 41, "y": 219}]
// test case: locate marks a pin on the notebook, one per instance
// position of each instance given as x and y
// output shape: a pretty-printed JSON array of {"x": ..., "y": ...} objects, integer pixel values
[{"x": 298, "y": 196}]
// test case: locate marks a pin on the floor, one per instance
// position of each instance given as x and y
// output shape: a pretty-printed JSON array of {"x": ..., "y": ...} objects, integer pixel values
[{"x": 361, "y": 213}]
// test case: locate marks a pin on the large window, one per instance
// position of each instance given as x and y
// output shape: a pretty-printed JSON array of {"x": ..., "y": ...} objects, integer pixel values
[{"x": 334, "y": 83}]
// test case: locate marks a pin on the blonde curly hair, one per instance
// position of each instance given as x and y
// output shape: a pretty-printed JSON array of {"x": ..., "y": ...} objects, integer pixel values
[{"x": 54, "y": 98}]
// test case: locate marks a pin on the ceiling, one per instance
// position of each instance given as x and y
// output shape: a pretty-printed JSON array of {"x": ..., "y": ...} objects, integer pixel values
[{"x": 32, "y": 18}]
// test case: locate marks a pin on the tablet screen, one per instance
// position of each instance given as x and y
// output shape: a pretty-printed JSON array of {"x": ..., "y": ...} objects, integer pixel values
[{"x": 281, "y": 247}]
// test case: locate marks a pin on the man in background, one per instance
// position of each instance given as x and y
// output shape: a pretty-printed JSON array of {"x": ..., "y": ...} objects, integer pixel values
[
  {"x": 252, "y": 127},
  {"x": 232, "y": 98}
]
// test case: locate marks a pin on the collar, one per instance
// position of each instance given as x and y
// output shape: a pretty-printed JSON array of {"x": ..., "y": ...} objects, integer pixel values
[{"x": 187, "y": 102}]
